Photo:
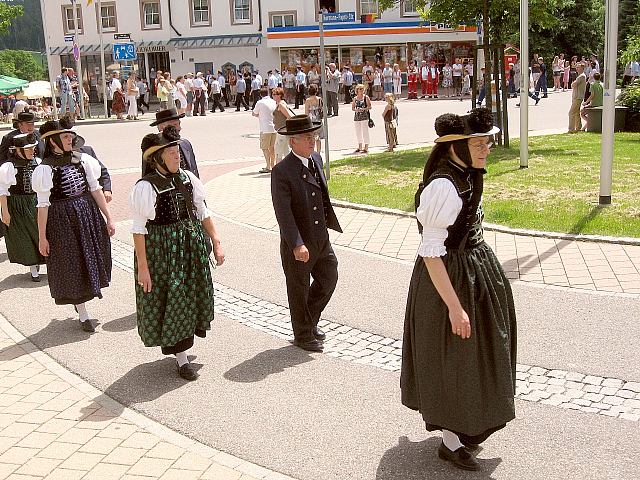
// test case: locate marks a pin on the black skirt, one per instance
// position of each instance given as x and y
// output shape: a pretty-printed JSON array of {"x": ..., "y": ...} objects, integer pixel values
[{"x": 465, "y": 386}]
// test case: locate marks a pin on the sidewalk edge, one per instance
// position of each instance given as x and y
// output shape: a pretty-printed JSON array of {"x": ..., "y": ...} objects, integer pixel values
[
  {"x": 138, "y": 419},
  {"x": 499, "y": 228}
]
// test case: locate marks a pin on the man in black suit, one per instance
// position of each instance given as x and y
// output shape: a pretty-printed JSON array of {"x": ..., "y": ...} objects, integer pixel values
[
  {"x": 164, "y": 118},
  {"x": 301, "y": 202},
  {"x": 25, "y": 123}
]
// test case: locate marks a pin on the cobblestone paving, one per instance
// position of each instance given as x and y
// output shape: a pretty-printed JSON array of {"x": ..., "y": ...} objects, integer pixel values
[
  {"x": 577, "y": 391},
  {"x": 593, "y": 266},
  {"x": 55, "y": 426}
]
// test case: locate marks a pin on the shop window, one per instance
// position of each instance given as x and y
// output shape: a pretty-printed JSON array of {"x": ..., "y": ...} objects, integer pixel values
[
  {"x": 200, "y": 13},
  {"x": 240, "y": 11},
  {"x": 150, "y": 12},
  {"x": 283, "y": 19},
  {"x": 409, "y": 8},
  {"x": 108, "y": 18},
  {"x": 368, "y": 7},
  {"x": 69, "y": 22}
]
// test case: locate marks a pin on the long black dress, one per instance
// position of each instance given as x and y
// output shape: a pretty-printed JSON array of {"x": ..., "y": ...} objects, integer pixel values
[{"x": 465, "y": 386}]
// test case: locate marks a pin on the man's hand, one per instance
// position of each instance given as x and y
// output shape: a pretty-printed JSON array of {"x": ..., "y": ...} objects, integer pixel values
[{"x": 301, "y": 253}]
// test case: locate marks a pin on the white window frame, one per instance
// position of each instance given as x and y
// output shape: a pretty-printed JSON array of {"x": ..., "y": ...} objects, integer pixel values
[
  {"x": 234, "y": 9},
  {"x": 143, "y": 14},
  {"x": 404, "y": 12},
  {"x": 369, "y": 4},
  {"x": 102, "y": 18},
  {"x": 67, "y": 22},
  {"x": 282, "y": 15},
  {"x": 204, "y": 9}
]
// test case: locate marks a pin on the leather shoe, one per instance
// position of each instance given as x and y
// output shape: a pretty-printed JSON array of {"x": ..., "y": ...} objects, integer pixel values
[
  {"x": 187, "y": 372},
  {"x": 309, "y": 345},
  {"x": 461, "y": 458},
  {"x": 87, "y": 326},
  {"x": 319, "y": 333},
  {"x": 35, "y": 279}
]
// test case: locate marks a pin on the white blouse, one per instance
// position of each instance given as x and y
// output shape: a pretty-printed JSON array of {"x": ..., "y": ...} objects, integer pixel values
[
  {"x": 142, "y": 202},
  {"x": 8, "y": 177},
  {"x": 42, "y": 179},
  {"x": 439, "y": 208}
]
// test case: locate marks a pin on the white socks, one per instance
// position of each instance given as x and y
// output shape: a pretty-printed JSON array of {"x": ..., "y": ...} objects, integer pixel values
[
  {"x": 451, "y": 440},
  {"x": 182, "y": 358},
  {"x": 82, "y": 311},
  {"x": 35, "y": 269}
]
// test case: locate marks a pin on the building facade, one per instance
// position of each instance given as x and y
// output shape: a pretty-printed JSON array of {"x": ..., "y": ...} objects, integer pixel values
[{"x": 183, "y": 36}]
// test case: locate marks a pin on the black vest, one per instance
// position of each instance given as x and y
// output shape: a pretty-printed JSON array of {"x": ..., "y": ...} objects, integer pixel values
[
  {"x": 174, "y": 201},
  {"x": 468, "y": 182},
  {"x": 69, "y": 177},
  {"x": 24, "y": 173}
]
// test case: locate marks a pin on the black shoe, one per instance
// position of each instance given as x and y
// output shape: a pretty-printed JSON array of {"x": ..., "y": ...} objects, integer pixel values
[
  {"x": 187, "y": 372},
  {"x": 461, "y": 458},
  {"x": 472, "y": 447},
  {"x": 35, "y": 279},
  {"x": 319, "y": 334},
  {"x": 87, "y": 326},
  {"x": 545, "y": 96},
  {"x": 309, "y": 345},
  {"x": 537, "y": 100}
]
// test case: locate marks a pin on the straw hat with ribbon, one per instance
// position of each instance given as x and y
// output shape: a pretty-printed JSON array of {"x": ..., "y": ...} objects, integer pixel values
[
  {"x": 451, "y": 127},
  {"x": 155, "y": 142}
]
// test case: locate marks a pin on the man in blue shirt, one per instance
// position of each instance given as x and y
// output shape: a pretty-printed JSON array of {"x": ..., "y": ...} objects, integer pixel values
[{"x": 301, "y": 84}]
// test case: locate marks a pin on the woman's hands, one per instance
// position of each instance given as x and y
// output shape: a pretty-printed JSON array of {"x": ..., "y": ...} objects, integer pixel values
[
  {"x": 144, "y": 279},
  {"x": 218, "y": 254},
  {"x": 43, "y": 246},
  {"x": 111, "y": 228},
  {"x": 460, "y": 324}
]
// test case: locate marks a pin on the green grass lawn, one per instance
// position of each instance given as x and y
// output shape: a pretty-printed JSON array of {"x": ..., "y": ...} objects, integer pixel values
[{"x": 558, "y": 192}]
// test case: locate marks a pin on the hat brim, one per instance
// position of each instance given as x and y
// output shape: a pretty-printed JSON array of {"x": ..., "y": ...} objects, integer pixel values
[
  {"x": 156, "y": 148},
  {"x": 30, "y": 145},
  {"x": 315, "y": 126},
  {"x": 172, "y": 117},
  {"x": 455, "y": 137},
  {"x": 46, "y": 135}
]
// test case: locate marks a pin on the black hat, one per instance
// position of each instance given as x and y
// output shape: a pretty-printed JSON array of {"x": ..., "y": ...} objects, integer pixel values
[
  {"x": 154, "y": 142},
  {"x": 299, "y": 124},
  {"x": 166, "y": 115},
  {"x": 68, "y": 122},
  {"x": 24, "y": 140},
  {"x": 54, "y": 127},
  {"x": 451, "y": 127},
  {"x": 26, "y": 116}
]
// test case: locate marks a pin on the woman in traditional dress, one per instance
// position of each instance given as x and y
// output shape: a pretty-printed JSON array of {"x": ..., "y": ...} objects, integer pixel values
[
  {"x": 73, "y": 235},
  {"x": 174, "y": 290},
  {"x": 459, "y": 347},
  {"x": 18, "y": 203}
]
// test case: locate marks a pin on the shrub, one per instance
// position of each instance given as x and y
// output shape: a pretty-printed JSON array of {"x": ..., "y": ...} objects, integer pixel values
[{"x": 630, "y": 98}]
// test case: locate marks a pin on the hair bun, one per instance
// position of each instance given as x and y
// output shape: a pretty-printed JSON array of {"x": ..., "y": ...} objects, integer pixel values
[
  {"x": 149, "y": 140},
  {"x": 480, "y": 120},
  {"x": 449, "y": 123},
  {"x": 170, "y": 133}
]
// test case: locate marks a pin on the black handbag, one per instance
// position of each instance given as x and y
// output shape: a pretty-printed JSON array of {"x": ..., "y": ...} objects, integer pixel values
[{"x": 371, "y": 124}]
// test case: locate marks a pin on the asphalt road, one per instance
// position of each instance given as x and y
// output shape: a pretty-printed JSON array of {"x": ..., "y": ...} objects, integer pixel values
[{"x": 316, "y": 417}]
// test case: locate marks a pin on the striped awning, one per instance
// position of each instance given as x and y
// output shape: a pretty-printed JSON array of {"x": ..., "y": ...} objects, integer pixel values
[
  {"x": 95, "y": 49},
  {"x": 245, "y": 40}
]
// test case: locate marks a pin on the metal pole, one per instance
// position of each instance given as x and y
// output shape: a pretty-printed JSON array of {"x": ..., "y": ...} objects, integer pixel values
[
  {"x": 323, "y": 79},
  {"x": 524, "y": 83},
  {"x": 54, "y": 105},
  {"x": 103, "y": 72},
  {"x": 504, "y": 113},
  {"x": 609, "y": 106},
  {"x": 74, "y": 9}
]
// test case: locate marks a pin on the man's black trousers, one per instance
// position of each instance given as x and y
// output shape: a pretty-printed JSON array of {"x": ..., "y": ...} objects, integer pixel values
[{"x": 308, "y": 299}]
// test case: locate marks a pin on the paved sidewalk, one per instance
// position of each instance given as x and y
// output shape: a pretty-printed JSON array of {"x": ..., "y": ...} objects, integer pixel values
[
  {"x": 54, "y": 425},
  {"x": 244, "y": 196}
]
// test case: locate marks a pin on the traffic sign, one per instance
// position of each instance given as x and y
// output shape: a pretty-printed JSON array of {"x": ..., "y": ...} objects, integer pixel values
[
  {"x": 339, "y": 17},
  {"x": 69, "y": 38},
  {"x": 124, "y": 51},
  {"x": 76, "y": 52},
  {"x": 122, "y": 36}
]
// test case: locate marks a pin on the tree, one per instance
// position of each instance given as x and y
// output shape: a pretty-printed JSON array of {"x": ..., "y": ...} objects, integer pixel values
[
  {"x": 7, "y": 14},
  {"x": 629, "y": 22},
  {"x": 20, "y": 64},
  {"x": 25, "y": 32}
]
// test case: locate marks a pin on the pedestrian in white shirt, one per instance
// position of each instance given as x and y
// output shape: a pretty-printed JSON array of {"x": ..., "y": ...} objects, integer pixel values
[
  {"x": 216, "y": 94},
  {"x": 200, "y": 95},
  {"x": 264, "y": 109},
  {"x": 301, "y": 84}
]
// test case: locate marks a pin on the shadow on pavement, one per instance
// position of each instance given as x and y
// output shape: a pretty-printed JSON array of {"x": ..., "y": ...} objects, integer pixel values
[
  {"x": 121, "y": 324},
  {"x": 254, "y": 174},
  {"x": 22, "y": 280},
  {"x": 58, "y": 332},
  {"x": 419, "y": 460},
  {"x": 146, "y": 383},
  {"x": 267, "y": 363},
  {"x": 3, "y": 257}
]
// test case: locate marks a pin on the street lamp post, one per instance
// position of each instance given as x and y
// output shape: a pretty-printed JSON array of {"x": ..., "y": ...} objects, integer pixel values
[
  {"x": 323, "y": 80},
  {"x": 609, "y": 101},
  {"x": 49, "y": 63},
  {"x": 524, "y": 83}
]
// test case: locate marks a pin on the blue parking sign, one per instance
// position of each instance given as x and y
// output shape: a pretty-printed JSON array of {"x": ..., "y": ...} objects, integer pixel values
[{"x": 124, "y": 51}]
